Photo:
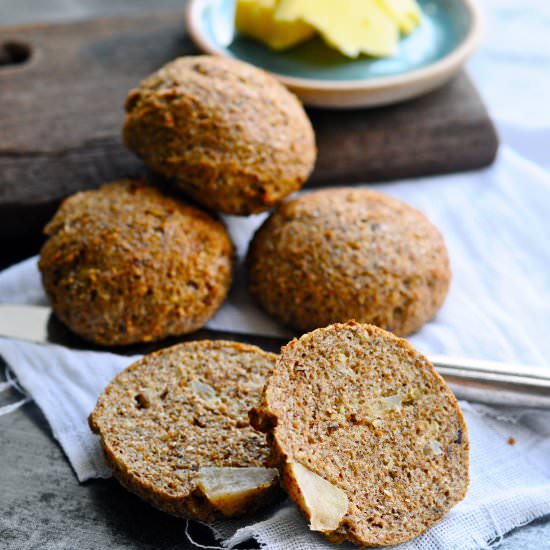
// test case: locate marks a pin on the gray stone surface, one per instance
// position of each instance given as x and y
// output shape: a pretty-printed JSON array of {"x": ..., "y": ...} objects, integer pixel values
[{"x": 42, "y": 506}]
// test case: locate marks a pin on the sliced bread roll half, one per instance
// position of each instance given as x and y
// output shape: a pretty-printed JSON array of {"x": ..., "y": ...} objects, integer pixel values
[
  {"x": 371, "y": 442},
  {"x": 174, "y": 427}
]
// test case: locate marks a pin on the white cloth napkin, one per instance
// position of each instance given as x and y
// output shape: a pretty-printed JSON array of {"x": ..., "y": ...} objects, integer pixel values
[{"x": 496, "y": 225}]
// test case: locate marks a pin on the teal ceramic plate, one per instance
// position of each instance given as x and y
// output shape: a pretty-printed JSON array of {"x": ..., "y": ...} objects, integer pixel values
[{"x": 322, "y": 77}]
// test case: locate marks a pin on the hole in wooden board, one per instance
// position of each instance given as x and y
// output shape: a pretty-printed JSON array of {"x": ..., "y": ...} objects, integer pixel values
[{"x": 14, "y": 53}]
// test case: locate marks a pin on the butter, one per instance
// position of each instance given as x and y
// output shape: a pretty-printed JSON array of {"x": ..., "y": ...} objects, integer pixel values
[
  {"x": 406, "y": 13},
  {"x": 256, "y": 18},
  {"x": 353, "y": 27}
]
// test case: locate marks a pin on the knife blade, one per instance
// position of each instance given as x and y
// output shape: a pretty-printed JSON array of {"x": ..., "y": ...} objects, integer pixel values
[{"x": 470, "y": 379}]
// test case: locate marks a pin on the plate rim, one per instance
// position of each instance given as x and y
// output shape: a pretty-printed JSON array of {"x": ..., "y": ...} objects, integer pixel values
[{"x": 447, "y": 64}]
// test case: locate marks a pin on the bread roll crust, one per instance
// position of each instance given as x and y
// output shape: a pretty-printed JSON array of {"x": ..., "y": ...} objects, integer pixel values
[
  {"x": 339, "y": 254},
  {"x": 229, "y": 134},
  {"x": 128, "y": 263}
]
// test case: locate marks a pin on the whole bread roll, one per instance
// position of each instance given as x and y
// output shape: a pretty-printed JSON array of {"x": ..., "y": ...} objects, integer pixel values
[
  {"x": 129, "y": 263},
  {"x": 339, "y": 254},
  {"x": 229, "y": 134}
]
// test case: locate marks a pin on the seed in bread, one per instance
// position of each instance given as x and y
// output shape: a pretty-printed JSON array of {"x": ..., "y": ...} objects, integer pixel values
[
  {"x": 174, "y": 427},
  {"x": 355, "y": 408},
  {"x": 128, "y": 263},
  {"x": 230, "y": 135},
  {"x": 340, "y": 254}
]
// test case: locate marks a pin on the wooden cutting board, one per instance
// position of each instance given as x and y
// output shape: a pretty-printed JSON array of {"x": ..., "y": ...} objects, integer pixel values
[{"x": 62, "y": 88}]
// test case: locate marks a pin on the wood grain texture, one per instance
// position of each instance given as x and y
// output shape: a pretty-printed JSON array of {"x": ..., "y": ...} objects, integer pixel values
[{"x": 61, "y": 114}]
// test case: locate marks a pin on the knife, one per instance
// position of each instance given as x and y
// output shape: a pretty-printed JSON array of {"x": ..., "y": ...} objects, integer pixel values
[{"x": 470, "y": 379}]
